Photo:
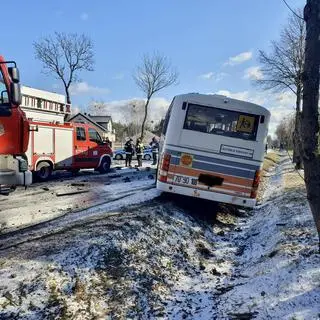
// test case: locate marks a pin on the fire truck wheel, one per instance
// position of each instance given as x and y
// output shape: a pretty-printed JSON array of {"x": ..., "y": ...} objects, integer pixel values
[
  {"x": 104, "y": 165},
  {"x": 44, "y": 171},
  {"x": 75, "y": 171}
]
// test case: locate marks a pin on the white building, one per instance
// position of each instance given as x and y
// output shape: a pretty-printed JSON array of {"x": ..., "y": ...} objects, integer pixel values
[{"x": 40, "y": 105}]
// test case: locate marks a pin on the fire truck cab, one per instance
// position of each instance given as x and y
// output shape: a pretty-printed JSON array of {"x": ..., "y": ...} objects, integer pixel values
[{"x": 14, "y": 130}]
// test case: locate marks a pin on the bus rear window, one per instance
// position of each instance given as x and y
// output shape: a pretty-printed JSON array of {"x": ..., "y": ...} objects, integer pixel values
[{"x": 221, "y": 122}]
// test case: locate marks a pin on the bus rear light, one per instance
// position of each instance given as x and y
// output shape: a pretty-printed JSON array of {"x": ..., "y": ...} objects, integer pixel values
[
  {"x": 164, "y": 167},
  {"x": 255, "y": 184},
  {"x": 165, "y": 163},
  {"x": 163, "y": 178},
  {"x": 163, "y": 173}
]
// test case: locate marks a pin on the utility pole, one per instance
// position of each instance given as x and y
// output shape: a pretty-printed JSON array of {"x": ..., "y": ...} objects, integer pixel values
[{"x": 310, "y": 111}]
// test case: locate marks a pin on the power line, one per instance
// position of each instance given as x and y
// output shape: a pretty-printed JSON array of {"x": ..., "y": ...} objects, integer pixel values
[{"x": 286, "y": 3}]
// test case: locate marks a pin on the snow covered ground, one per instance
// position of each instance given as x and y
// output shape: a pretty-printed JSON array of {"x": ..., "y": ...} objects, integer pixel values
[
  {"x": 64, "y": 195},
  {"x": 276, "y": 274},
  {"x": 147, "y": 256}
]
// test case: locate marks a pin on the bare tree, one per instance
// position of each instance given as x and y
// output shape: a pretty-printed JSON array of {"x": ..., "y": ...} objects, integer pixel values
[
  {"x": 65, "y": 55},
  {"x": 154, "y": 74},
  {"x": 284, "y": 131},
  {"x": 282, "y": 70},
  {"x": 310, "y": 111}
]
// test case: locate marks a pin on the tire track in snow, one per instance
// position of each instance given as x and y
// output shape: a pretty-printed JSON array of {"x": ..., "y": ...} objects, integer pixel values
[{"x": 70, "y": 220}]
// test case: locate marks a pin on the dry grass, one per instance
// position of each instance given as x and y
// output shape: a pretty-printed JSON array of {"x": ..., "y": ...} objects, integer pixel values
[
  {"x": 293, "y": 181},
  {"x": 270, "y": 160}
]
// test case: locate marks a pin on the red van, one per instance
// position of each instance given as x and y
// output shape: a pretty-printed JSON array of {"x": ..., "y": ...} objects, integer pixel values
[{"x": 69, "y": 146}]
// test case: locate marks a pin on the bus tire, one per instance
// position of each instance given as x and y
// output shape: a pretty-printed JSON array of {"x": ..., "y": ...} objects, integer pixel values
[
  {"x": 105, "y": 165},
  {"x": 43, "y": 171}
]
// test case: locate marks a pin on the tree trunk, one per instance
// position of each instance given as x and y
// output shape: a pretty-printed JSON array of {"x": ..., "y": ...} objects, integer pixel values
[
  {"x": 297, "y": 143},
  {"x": 310, "y": 112},
  {"x": 145, "y": 118},
  {"x": 67, "y": 94}
]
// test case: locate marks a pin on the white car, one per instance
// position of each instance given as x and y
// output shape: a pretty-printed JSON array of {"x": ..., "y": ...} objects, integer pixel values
[{"x": 121, "y": 154}]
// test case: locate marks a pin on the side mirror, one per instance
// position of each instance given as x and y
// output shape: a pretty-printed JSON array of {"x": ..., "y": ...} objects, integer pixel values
[
  {"x": 14, "y": 74},
  {"x": 15, "y": 90}
]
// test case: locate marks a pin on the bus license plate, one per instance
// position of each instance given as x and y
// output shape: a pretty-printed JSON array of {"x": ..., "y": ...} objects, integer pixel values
[{"x": 185, "y": 180}]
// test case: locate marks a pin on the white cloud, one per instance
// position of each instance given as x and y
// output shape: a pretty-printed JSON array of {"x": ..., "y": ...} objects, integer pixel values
[
  {"x": 75, "y": 109},
  {"x": 253, "y": 73},
  {"x": 242, "y": 95},
  {"x": 80, "y": 88},
  {"x": 287, "y": 99},
  {"x": 213, "y": 76},
  {"x": 84, "y": 16},
  {"x": 238, "y": 59},
  {"x": 122, "y": 110},
  {"x": 207, "y": 76}
]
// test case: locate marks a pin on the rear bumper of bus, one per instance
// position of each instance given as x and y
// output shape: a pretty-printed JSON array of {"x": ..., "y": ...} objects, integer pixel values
[{"x": 209, "y": 195}]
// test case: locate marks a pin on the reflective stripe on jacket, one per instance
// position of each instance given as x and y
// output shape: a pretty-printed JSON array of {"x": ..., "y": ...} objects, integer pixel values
[{"x": 139, "y": 149}]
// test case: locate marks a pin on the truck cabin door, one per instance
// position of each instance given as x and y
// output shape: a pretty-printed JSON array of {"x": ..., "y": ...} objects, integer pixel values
[
  {"x": 96, "y": 148},
  {"x": 81, "y": 149}
]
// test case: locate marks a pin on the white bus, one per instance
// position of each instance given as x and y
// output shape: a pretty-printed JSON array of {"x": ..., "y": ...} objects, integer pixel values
[{"x": 212, "y": 147}]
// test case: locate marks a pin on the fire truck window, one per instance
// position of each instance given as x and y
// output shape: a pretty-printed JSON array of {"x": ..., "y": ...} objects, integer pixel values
[
  {"x": 94, "y": 136},
  {"x": 81, "y": 134},
  {"x": 4, "y": 99}
]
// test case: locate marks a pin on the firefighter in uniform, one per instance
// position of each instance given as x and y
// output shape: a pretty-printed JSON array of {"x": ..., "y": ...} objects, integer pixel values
[
  {"x": 129, "y": 150},
  {"x": 139, "y": 151},
  {"x": 154, "y": 144}
]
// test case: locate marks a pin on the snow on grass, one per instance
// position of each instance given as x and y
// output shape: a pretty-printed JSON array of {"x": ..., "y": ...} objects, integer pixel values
[
  {"x": 152, "y": 261},
  {"x": 277, "y": 276}
]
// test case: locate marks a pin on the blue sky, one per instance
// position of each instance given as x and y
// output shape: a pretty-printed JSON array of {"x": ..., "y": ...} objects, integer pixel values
[{"x": 199, "y": 37}]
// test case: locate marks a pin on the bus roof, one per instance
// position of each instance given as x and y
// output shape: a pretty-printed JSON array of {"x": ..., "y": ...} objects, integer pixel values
[{"x": 216, "y": 100}]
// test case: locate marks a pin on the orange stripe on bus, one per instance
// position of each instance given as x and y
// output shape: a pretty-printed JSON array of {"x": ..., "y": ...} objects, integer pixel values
[
  {"x": 225, "y": 187},
  {"x": 196, "y": 172},
  {"x": 221, "y": 190}
]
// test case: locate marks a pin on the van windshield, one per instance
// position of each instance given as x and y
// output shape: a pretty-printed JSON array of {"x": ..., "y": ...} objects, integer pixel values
[{"x": 223, "y": 122}]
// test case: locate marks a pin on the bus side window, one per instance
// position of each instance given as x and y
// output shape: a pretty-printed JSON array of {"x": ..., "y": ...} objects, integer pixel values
[{"x": 167, "y": 118}]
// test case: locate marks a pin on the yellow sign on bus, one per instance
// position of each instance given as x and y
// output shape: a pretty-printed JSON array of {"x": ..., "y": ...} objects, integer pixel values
[{"x": 245, "y": 123}]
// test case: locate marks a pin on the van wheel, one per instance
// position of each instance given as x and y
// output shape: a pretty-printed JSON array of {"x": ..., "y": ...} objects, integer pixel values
[
  {"x": 147, "y": 157},
  {"x": 105, "y": 165},
  {"x": 44, "y": 171}
]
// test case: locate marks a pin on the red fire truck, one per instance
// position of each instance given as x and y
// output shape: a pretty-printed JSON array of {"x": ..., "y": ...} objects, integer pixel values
[
  {"x": 69, "y": 146},
  {"x": 14, "y": 130}
]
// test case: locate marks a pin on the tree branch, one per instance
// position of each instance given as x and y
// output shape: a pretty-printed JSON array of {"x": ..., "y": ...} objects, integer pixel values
[
  {"x": 65, "y": 55},
  {"x": 154, "y": 74}
]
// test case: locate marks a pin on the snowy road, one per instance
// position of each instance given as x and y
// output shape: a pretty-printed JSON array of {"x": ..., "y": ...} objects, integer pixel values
[{"x": 65, "y": 195}]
